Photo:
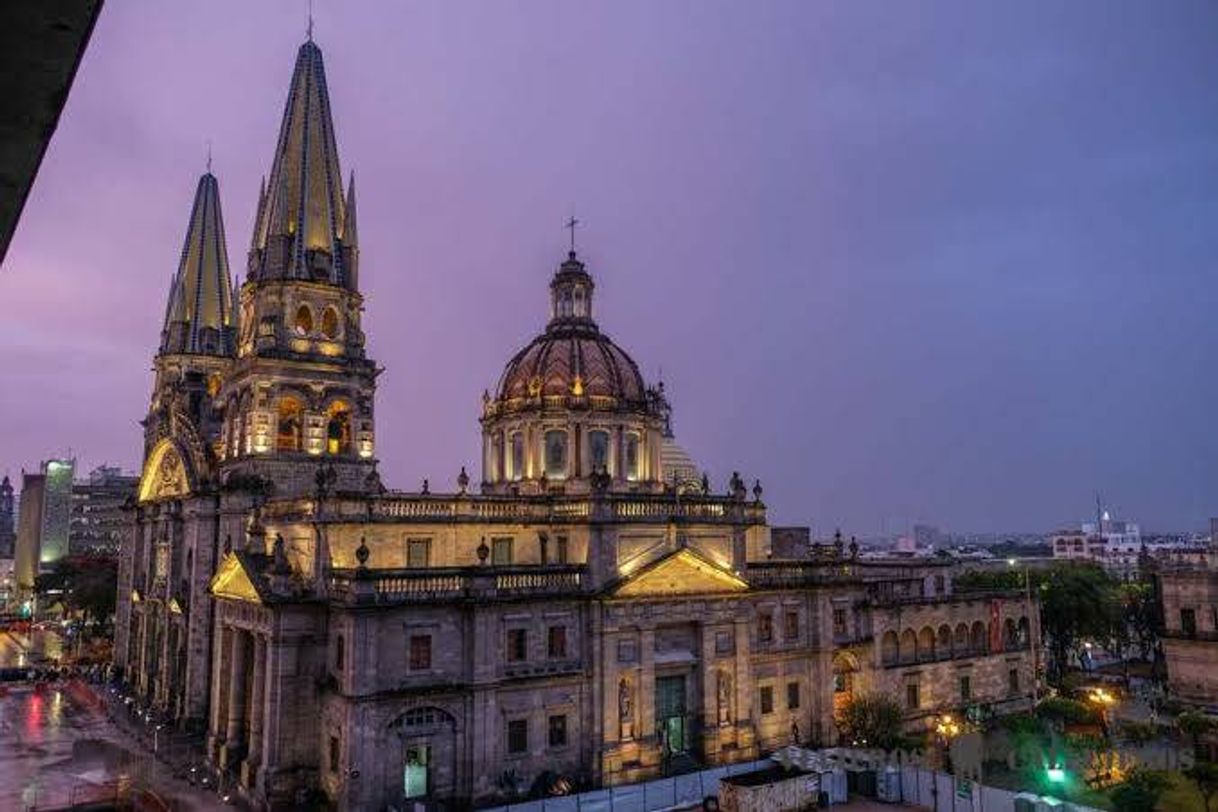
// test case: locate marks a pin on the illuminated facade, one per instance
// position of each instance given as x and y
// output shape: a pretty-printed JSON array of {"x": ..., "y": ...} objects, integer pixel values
[{"x": 590, "y": 611}]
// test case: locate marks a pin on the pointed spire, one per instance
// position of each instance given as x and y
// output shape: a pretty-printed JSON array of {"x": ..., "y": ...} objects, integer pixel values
[
  {"x": 199, "y": 316},
  {"x": 350, "y": 232},
  {"x": 298, "y": 231}
]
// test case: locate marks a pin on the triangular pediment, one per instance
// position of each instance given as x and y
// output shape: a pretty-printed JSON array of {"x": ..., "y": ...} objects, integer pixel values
[
  {"x": 683, "y": 572},
  {"x": 232, "y": 581}
]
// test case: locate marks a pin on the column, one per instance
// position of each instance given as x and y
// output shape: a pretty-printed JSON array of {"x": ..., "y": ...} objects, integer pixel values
[
  {"x": 237, "y": 696},
  {"x": 218, "y": 723},
  {"x": 257, "y": 708},
  {"x": 645, "y": 697}
]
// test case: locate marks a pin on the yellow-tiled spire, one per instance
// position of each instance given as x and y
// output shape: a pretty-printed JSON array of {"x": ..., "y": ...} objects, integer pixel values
[{"x": 199, "y": 316}]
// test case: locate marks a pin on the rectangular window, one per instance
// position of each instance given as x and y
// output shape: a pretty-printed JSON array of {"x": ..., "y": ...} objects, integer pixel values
[
  {"x": 1013, "y": 681},
  {"x": 839, "y": 622},
  {"x": 1188, "y": 622},
  {"x": 518, "y": 736},
  {"x": 790, "y": 625},
  {"x": 598, "y": 446},
  {"x": 792, "y": 695},
  {"x": 912, "y": 696},
  {"x": 517, "y": 645},
  {"x": 626, "y": 651},
  {"x": 765, "y": 627},
  {"x": 556, "y": 642},
  {"x": 767, "y": 700},
  {"x": 334, "y": 756},
  {"x": 561, "y": 552},
  {"x": 420, "y": 652},
  {"x": 418, "y": 553},
  {"x": 966, "y": 689},
  {"x": 501, "y": 552},
  {"x": 340, "y": 654},
  {"x": 723, "y": 642},
  {"x": 558, "y": 731},
  {"x": 556, "y": 453}
]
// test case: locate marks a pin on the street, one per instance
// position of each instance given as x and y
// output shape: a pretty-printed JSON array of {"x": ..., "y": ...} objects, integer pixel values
[{"x": 58, "y": 744}]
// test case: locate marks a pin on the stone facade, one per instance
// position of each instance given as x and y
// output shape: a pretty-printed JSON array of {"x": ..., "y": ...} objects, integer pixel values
[
  {"x": 581, "y": 617},
  {"x": 1189, "y": 599}
]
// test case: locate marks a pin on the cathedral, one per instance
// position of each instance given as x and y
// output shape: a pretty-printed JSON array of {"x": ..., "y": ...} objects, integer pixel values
[{"x": 589, "y": 612}]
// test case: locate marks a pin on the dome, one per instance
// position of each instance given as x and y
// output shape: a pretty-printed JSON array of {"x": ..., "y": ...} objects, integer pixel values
[
  {"x": 573, "y": 358},
  {"x": 566, "y": 361}
]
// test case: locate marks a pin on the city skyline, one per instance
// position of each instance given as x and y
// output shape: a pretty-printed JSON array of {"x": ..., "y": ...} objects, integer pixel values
[{"x": 851, "y": 317}]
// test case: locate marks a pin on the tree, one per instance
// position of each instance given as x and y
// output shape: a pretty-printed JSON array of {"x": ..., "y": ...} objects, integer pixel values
[
  {"x": 1195, "y": 724},
  {"x": 873, "y": 720},
  {"x": 1075, "y": 604},
  {"x": 1140, "y": 792},
  {"x": 1205, "y": 775}
]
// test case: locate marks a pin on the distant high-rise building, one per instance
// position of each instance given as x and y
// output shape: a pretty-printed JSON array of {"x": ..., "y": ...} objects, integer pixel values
[
  {"x": 8, "y": 532},
  {"x": 97, "y": 510},
  {"x": 29, "y": 530},
  {"x": 56, "y": 510},
  {"x": 926, "y": 535}
]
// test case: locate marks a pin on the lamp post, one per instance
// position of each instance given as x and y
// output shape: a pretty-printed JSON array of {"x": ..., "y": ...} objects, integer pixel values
[
  {"x": 1027, "y": 598},
  {"x": 946, "y": 728}
]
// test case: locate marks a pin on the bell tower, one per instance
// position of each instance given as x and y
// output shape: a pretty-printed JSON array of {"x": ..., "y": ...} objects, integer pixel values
[{"x": 302, "y": 388}]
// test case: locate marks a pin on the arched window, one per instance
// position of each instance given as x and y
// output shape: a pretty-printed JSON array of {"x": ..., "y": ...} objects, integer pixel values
[
  {"x": 977, "y": 639},
  {"x": 556, "y": 453},
  {"x": 329, "y": 323},
  {"x": 960, "y": 645},
  {"x": 338, "y": 429},
  {"x": 289, "y": 432},
  {"x": 926, "y": 643},
  {"x": 580, "y": 309},
  {"x": 909, "y": 646},
  {"x": 517, "y": 456},
  {"x": 304, "y": 321},
  {"x": 943, "y": 646},
  {"x": 598, "y": 450},
  {"x": 632, "y": 457},
  {"x": 1025, "y": 633},
  {"x": 889, "y": 648}
]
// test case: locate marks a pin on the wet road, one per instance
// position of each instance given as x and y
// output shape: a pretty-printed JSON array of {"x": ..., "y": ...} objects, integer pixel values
[{"x": 58, "y": 746}]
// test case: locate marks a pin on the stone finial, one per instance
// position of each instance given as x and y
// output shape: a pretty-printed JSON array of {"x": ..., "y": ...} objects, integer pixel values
[
  {"x": 255, "y": 533},
  {"x": 483, "y": 551},
  {"x": 426, "y": 488},
  {"x": 839, "y": 546},
  {"x": 854, "y": 547},
  {"x": 362, "y": 553},
  {"x": 463, "y": 480},
  {"x": 705, "y": 484},
  {"x": 757, "y": 490}
]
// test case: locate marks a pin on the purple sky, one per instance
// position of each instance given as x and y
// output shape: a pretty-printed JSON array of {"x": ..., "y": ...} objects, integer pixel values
[{"x": 939, "y": 262}]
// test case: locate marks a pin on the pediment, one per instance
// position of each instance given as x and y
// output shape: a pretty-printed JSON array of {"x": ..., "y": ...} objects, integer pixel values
[
  {"x": 682, "y": 572},
  {"x": 165, "y": 475},
  {"x": 233, "y": 581}
]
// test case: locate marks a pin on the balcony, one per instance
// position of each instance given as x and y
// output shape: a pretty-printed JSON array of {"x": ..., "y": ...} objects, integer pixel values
[
  {"x": 555, "y": 509},
  {"x": 443, "y": 584}
]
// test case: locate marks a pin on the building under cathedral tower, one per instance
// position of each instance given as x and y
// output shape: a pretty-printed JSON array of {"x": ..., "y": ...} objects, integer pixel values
[{"x": 595, "y": 613}]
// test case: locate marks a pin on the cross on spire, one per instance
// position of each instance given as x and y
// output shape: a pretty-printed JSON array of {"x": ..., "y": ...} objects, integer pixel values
[
  {"x": 571, "y": 225},
  {"x": 310, "y": 27},
  {"x": 209, "y": 156}
]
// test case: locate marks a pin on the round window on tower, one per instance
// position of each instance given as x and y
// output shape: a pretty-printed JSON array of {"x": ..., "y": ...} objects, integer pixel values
[
  {"x": 329, "y": 323},
  {"x": 304, "y": 321}
]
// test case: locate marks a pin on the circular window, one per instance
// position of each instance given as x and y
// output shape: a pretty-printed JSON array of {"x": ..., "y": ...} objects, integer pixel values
[
  {"x": 304, "y": 321},
  {"x": 329, "y": 323}
]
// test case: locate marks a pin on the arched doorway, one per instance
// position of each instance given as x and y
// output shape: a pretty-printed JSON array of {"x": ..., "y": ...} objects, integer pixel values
[
  {"x": 428, "y": 756},
  {"x": 845, "y": 672}
]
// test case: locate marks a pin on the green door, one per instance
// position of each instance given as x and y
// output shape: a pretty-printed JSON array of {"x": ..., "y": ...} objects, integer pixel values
[
  {"x": 414, "y": 774},
  {"x": 670, "y": 713}
]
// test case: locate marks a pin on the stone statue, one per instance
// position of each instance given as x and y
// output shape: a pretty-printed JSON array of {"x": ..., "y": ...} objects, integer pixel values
[
  {"x": 724, "y": 695},
  {"x": 625, "y": 708}
]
